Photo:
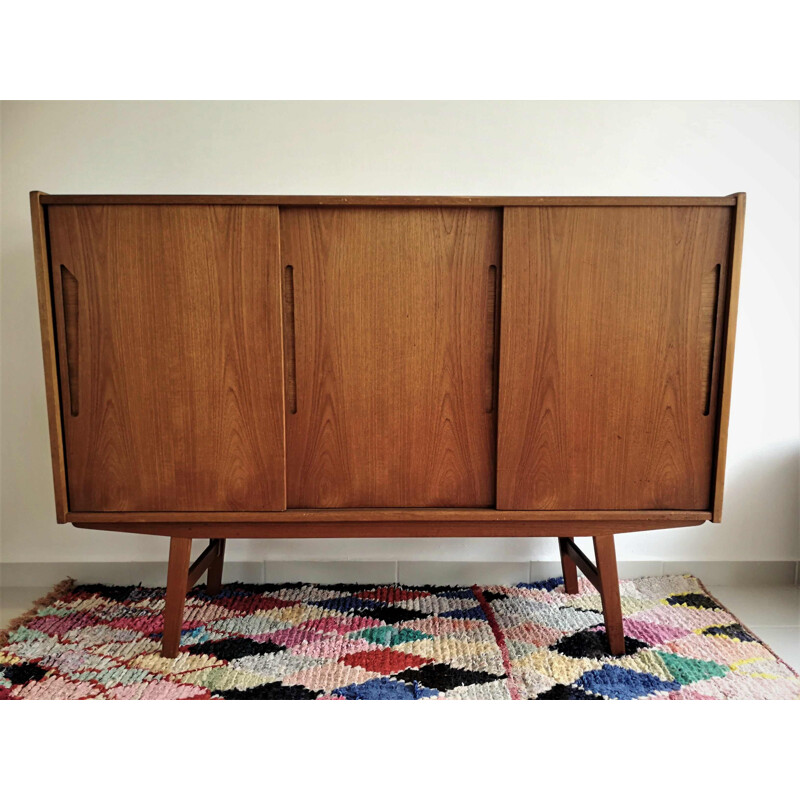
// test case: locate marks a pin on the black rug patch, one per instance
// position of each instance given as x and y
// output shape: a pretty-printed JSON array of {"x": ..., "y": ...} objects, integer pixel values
[
  {"x": 117, "y": 593},
  {"x": 269, "y": 691},
  {"x": 347, "y": 588},
  {"x": 391, "y": 614},
  {"x": 562, "y": 692},
  {"x": 693, "y": 600},
  {"x": 22, "y": 673},
  {"x": 444, "y": 677},
  {"x": 593, "y": 644},
  {"x": 734, "y": 631},
  {"x": 231, "y": 649}
]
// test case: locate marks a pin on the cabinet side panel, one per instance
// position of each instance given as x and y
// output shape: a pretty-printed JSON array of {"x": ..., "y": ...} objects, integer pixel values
[
  {"x": 172, "y": 314},
  {"x": 393, "y": 314},
  {"x": 609, "y": 319},
  {"x": 47, "y": 322},
  {"x": 727, "y": 356}
]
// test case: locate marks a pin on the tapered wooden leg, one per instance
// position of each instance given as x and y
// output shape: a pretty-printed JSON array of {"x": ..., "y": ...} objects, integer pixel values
[
  {"x": 214, "y": 581},
  {"x": 180, "y": 553},
  {"x": 606, "y": 558},
  {"x": 568, "y": 567}
]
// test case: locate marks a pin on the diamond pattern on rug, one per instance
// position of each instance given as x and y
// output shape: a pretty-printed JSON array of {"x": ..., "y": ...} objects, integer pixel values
[{"x": 357, "y": 642}]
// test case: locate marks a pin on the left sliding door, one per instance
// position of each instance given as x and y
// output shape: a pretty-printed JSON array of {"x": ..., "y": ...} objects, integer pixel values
[{"x": 168, "y": 324}]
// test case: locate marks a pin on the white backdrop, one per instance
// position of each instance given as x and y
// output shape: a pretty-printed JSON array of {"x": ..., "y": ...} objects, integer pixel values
[{"x": 469, "y": 148}]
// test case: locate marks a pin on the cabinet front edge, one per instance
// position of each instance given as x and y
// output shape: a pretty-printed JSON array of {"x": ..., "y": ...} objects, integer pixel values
[{"x": 377, "y": 200}]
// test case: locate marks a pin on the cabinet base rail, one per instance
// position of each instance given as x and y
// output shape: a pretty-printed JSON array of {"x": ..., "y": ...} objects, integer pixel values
[{"x": 181, "y": 577}]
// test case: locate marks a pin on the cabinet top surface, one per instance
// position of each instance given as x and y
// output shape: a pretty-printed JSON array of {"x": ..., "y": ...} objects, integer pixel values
[{"x": 374, "y": 200}]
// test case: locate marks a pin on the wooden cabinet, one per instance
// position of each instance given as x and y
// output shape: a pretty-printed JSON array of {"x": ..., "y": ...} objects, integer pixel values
[{"x": 321, "y": 367}]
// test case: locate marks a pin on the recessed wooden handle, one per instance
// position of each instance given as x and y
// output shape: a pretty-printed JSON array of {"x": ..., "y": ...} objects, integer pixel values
[
  {"x": 289, "y": 361},
  {"x": 716, "y": 338},
  {"x": 69, "y": 300},
  {"x": 492, "y": 297}
]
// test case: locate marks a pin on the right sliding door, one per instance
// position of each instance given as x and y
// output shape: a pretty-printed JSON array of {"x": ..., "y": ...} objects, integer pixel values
[{"x": 612, "y": 321}]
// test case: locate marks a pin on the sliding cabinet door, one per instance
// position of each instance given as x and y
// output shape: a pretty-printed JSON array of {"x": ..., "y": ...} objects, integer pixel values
[
  {"x": 609, "y": 354},
  {"x": 169, "y": 341},
  {"x": 390, "y": 316}
]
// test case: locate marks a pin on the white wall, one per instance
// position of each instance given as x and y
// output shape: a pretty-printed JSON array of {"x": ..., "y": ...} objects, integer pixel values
[{"x": 500, "y": 148}]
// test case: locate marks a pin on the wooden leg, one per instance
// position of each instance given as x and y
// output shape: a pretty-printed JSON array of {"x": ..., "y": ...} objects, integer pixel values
[
  {"x": 568, "y": 567},
  {"x": 214, "y": 581},
  {"x": 606, "y": 557},
  {"x": 180, "y": 553}
]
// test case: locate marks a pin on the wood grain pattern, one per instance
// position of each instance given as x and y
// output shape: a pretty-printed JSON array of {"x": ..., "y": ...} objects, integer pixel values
[
  {"x": 375, "y": 200},
  {"x": 49, "y": 354},
  {"x": 729, "y": 341},
  {"x": 390, "y": 313},
  {"x": 381, "y": 530},
  {"x": 179, "y": 330},
  {"x": 605, "y": 341}
]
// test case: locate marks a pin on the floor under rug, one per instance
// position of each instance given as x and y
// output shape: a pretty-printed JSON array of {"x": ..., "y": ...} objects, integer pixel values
[{"x": 360, "y": 642}]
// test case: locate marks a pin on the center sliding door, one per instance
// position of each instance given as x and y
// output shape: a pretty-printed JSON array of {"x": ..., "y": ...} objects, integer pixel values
[{"x": 389, "y": 345}]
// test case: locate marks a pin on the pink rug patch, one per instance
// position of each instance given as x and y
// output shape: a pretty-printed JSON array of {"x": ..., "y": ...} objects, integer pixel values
[
  {"x": 530, "y": 632},
  {"x": 651, "y": 632},
  {"x": 56, "y": 626},
  {"x": 158, "y": 690},
  {"x": 339, "y": 625},
  {"x": 335, "y": 646}
]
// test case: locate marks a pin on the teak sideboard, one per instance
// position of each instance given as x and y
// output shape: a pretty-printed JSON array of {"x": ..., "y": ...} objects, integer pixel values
[{"x": 238, "y": 366}]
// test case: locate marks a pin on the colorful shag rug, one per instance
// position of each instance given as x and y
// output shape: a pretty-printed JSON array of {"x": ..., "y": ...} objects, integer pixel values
[{"x": 357, "y": 642}]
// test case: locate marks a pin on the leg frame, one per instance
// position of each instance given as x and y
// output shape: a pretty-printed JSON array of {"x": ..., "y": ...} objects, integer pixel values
[
  {"x": 603, "y": 576},
  {"x": 180, "y": 578}
]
